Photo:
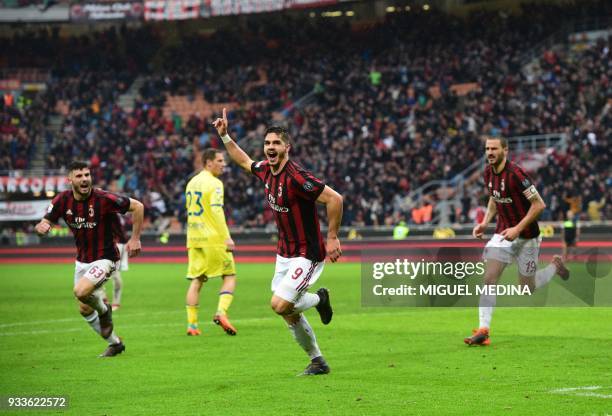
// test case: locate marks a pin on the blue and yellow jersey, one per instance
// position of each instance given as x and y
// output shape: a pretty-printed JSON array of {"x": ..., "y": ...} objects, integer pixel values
[{"x": 206, "y": 226}]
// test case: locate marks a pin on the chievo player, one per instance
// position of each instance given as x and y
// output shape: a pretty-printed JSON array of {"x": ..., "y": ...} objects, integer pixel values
[
  {"x": 91, "y": 215},
  {"x": 515, "y": 200},
  {"x": 291, "y": 192},
  {"x": 209, "y": 243}
]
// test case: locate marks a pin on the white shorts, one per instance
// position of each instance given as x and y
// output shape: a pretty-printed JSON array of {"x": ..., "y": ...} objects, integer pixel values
[
  {"x": 122, "y": 264},
  {"x": 524, "y": 251},
  {"x": 293, "y": 276},
  {"x": 97, "y": 272}
]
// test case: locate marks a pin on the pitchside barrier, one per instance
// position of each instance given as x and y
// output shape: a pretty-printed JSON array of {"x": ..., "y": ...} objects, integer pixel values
[
  {"x": 417, "y": 271},
  {"x": 260, "y": 246}
]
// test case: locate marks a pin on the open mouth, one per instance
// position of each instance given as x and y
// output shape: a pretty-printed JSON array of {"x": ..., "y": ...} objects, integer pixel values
[{"x": 272, "y": 155}]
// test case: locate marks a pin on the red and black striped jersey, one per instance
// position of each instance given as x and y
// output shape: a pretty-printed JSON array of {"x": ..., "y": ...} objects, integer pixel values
[
  {"x": 511, "y": 190},
  {"x": 92, "y": 222},
  {"x": 292, "y": 195}
]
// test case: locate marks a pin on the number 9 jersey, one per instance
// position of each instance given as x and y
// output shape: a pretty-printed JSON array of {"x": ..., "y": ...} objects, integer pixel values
[{"x": 206, "y": 226}]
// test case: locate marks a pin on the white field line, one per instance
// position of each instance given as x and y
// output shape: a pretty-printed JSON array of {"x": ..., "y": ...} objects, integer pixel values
[
  {"x": 56, "y": 321},
  {"x": 80, "y": 328},
  {"x": 84, "y": 327},
  {"x": 585, "y": 391}
]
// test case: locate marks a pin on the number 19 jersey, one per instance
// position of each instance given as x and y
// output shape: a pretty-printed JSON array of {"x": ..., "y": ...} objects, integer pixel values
[{"x": 206, "y": 226}]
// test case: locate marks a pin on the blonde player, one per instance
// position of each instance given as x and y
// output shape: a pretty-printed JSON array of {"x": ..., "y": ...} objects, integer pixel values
[{"x": 209, "y": 243}]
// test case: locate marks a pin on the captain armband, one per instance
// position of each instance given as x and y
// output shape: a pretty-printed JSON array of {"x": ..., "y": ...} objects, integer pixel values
[{"x": 530, "y": 192}]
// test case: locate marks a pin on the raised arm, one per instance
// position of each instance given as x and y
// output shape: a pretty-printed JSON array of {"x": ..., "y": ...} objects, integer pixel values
[
  {"x": 233, "y": 150},
  {"x": 334, "y": 203},
  {"x": 133, "y": 245}
]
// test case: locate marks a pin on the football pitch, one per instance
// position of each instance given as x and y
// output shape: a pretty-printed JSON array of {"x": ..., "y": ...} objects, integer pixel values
[{"x": 395, "y": 361}]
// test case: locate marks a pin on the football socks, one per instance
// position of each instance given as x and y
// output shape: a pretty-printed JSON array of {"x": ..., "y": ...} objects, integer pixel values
[
  {"x": 544, "y": 275},
  {"x": 307, "y": 301},
  {"x": 94, "y": 321},
  {"x": 305, "y": 337},
  {"x": 192, "y": 315},
  {"x": 225, "y": 300},
  {"x": 485, "y": 310}
]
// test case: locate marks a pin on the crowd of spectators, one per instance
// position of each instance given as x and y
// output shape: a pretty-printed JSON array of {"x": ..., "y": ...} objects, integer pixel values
[
  {"x": 578, "y": 90},
  {"x": 383, "y": 120},
  {"x": 22, "y": 122}
]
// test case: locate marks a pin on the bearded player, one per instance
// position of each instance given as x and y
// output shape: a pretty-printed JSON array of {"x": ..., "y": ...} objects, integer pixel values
[
  {"x": 291, "y": 192},
  {"x": 91, "y": 215},
  {"x": 517, "y": 203}
]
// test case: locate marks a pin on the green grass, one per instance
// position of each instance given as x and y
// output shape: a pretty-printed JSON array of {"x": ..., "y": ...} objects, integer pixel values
[{"x": 391, "y": 361}]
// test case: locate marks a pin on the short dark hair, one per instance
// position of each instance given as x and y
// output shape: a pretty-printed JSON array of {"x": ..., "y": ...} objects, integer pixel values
[
  {"x": 502, "y": 140},
  {"x": 282, "y": 132},
  {"x": 210, "y": 154},
  {"x": 77, "y": 165}
]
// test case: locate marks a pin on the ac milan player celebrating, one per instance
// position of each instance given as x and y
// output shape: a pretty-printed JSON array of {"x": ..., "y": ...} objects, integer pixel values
[
  {"x": 92, "y": 217},
  {"x": 517, "y": 203},
  {"x": 291, "y": 192}
]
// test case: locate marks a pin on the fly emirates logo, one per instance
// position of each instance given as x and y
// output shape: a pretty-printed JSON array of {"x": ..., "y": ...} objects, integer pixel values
[
  {"x": 498, "y": 198},
  {"x": 274, "y": 206},
  {"x": 80, "y": 222}
]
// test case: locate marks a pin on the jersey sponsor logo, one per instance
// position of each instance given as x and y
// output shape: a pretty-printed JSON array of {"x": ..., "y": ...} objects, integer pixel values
[
  {"x": 274, "y": 206},
  {"x": 308, "y": 186},
  {"x": 69, "y": 212},
  {"x": 80, "y": 223},
  {"x": 278, "y": 208},
  {"x": 503, "y": 200},
  {"x": 498, "y": 198}
]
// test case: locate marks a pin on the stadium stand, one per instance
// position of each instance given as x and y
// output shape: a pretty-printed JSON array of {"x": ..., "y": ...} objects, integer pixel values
[{"x": 394, "y": 105}]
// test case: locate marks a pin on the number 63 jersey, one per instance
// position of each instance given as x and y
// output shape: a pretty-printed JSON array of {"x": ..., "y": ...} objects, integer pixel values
[
  {"x": 93, "y": 222},
  {"x": 206, "y": 226}
]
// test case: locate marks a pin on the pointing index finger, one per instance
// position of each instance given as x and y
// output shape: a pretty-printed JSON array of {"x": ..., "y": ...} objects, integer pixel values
[{"x": 224, "y": 114}]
